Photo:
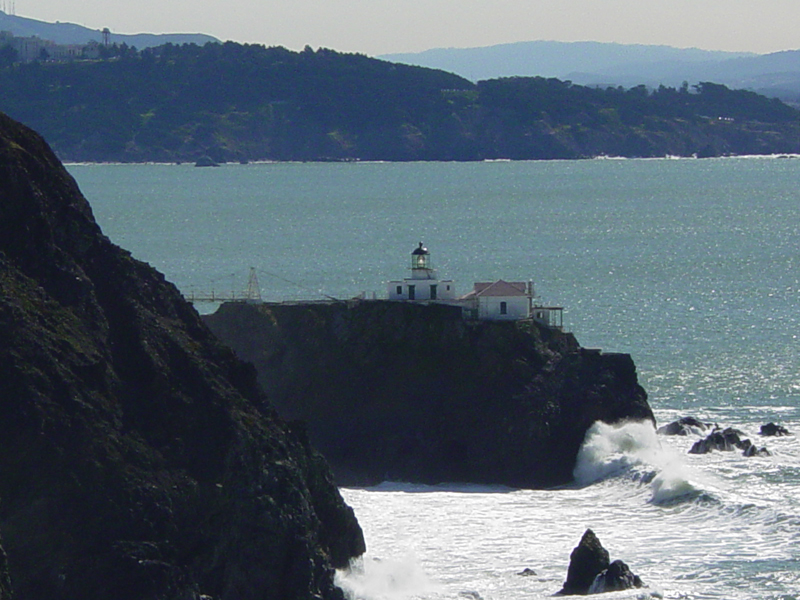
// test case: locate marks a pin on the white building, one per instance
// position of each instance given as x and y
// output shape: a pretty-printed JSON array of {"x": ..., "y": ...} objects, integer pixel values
[
  {"x": 500, "y": 300},
  {"x": 492, "y": 301},
  {"x": 424, "y": 283},
  {"x": 508, "y": 301}
]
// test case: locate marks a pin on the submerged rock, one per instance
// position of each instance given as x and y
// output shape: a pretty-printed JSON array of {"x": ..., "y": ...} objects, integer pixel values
[
  {"x": 771, "y": 429},
  {"x": 412, "y": 392},
  {"x": 138, "y": 456}
]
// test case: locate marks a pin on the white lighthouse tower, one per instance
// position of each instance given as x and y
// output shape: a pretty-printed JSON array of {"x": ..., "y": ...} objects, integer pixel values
[{"x": 424, "y": 283}]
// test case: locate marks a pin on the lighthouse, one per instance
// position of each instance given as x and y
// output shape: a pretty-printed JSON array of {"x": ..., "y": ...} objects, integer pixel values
[
  {"x": 421, "y": 263},
  {"x": 424, "y": 284}
]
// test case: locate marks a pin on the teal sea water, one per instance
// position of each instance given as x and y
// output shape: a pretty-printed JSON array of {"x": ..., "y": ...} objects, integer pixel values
[{"x": 691, "y": 266}]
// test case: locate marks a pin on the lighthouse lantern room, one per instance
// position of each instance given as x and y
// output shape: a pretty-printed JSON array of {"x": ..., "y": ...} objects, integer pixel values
[
  {"x": 421, "y": 263},
  {"x": 424, "y": 283}
]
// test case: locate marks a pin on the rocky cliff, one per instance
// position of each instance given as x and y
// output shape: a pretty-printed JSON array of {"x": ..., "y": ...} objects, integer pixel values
[
  {"x": 138, "y": 457},
  {"x": 409, "y": 392}
]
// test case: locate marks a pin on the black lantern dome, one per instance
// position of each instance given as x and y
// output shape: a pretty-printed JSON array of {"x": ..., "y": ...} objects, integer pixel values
[{"x": 420, "y": 258}]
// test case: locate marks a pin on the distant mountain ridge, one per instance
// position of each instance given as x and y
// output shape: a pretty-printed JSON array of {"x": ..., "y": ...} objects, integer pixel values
[
  {"x": 70, "y": 33},
  {"x": 608, "y": 64},
  {"x": 552, "y": 58}
]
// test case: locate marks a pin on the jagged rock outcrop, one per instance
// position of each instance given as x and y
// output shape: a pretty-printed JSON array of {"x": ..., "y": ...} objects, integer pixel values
[
  {"x": 617, "y": 577},
  {"x": 726, "y": 440},
  {"x": 410, "y": 392},
  {"x": 771, "y": 429},
  {"x": 587, "y": 560},
  {"x": 591, "y": 572},
  {"x": 684, "y": 426},
  {"x": 750, "y": 449},
  {"x": 723, "y": 440},
  {"x": 138, "y": 457}
]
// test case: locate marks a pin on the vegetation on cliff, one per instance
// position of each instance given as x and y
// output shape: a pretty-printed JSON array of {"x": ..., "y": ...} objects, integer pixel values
[
  {"x": 410, "y": 392},
  {"x": 247, "y": 102},
  {"x": 138, "y": 457}
]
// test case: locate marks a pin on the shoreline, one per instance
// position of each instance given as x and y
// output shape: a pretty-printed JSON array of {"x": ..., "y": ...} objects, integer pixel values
[{"x": 783, "y": 155}]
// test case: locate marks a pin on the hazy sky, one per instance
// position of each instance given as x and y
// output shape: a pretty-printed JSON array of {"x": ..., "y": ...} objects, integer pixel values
[{"x": 384, "y": 26}]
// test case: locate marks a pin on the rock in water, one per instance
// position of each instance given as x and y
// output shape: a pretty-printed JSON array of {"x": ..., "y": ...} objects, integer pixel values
[
  {"x": 615, "y": 578},
  {"x": 771, "y": 429},
  {"x": 138, "y": 457},
  {"x": 726, "y": 440},
  {"x": 591, "y": 573},
  {"x": 586, "y": 562},
  {"x": 684, "y": 426},
  {"x": 751, "y": 449}
]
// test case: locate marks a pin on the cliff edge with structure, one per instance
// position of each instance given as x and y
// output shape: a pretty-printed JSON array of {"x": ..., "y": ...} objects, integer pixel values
[
  {"x": 413, "y": 392},
  {"x": 138, "y": 457}
]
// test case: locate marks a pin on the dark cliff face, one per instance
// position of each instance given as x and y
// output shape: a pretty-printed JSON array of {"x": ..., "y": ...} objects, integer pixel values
[
  {"x": 414, "y": 393},
  {"x": 138, "y": 458}
]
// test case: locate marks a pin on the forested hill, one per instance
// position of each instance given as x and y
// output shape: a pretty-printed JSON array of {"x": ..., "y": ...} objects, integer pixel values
[{"x": 247, "y": 102}]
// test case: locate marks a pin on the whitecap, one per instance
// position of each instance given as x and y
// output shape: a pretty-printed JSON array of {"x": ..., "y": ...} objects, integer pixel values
[
  {"x": 394, "y": 579},
  {"x": 609, "y": 450},
  {"x": 673, "y": 485},
  {"x": 634, "y": 449}
]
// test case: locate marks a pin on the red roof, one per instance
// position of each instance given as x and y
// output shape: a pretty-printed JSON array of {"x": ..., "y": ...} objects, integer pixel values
[{"x": 499, "y": 288}]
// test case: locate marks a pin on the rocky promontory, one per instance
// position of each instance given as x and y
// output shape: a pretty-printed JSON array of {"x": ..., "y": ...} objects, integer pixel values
[
  {"x": 138, "y": 457},
  {"x": 412, "y": 392}
]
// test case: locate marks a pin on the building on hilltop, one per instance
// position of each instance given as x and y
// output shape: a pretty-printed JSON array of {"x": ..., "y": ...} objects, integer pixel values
[
  {"x": 509, "y": 301},
  {"x": 424, "y": 283},
  {"x": 500, "y": 300},
  {"x": 489, "y": 301},
  {"x": 33, "y": 48},
  {"x": 29, "y": 48}
]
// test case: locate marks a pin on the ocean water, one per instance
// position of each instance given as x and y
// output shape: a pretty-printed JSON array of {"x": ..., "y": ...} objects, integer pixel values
[{"x": 691, "y": 266}]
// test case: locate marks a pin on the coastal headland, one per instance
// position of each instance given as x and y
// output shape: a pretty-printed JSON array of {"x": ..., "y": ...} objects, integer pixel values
[
  {"x": 243, "y": 102},
  {"x": 138, "y": 456},
  {"x": 414, "y": 392}
]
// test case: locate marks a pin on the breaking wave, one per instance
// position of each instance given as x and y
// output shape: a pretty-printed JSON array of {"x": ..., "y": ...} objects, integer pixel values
[
  {"x": 387, "y": 579},
  {"x": 633, "y": 450}
]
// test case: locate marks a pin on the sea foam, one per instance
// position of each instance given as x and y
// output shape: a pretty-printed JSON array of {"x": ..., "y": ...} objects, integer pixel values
[
  {"x": 610, "y": 450},
  {"x": 395, "y": 579},
  {"x": 616, "y": 450}
]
